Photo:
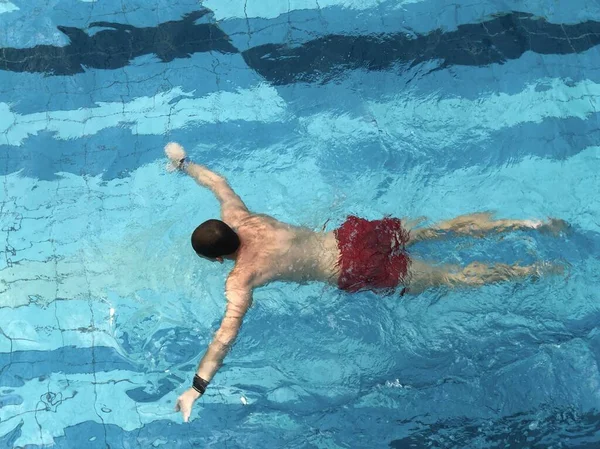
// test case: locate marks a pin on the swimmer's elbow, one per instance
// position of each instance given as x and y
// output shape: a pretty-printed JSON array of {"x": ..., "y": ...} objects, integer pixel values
[{"x": 226, "y": 335}]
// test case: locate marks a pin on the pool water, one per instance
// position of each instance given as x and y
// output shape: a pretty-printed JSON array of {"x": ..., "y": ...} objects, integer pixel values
[{"x": 313, "y": 110}]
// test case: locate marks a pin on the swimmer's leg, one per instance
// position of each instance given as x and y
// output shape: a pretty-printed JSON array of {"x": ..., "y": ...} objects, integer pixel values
[
  {"x": 481, "y": 224},
  {"x": 423, "y": 275}
]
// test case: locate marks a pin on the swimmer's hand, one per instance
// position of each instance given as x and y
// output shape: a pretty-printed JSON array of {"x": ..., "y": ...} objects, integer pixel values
[
  {"x": 185, "y": 402},
  {"x": 176, "y": 155}
]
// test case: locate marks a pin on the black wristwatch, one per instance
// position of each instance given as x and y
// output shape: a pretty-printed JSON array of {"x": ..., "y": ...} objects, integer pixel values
[
  {"x": 182, "y": 163},
  {"x": 199, "y": 384}
]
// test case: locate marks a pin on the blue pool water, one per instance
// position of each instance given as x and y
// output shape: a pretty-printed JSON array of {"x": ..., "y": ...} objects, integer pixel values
[{"x": 313, "y": 110}]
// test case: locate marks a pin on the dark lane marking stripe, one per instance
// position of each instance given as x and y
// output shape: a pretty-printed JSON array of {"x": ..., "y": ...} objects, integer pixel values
[
  {"x": 118, "y": 45},
  {"x": 20, "y": 366},
  {"x": 502, "y": 38}
]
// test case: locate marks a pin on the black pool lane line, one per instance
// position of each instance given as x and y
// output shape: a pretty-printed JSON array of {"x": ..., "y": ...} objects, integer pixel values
[
  {"x": 497, "y": 40},
  {"x": 20, "y": 366},
  {"x": 116, "y": 45},
  {"x": 501, "y": 38}
]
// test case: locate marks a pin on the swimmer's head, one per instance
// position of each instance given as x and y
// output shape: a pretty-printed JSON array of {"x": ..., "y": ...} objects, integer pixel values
[{"x": 214, "y": 240}]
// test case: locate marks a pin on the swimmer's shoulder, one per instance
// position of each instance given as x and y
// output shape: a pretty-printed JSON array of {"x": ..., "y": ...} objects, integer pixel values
[
  {"x": 263, "y": 222},
  {"x": 249, "y": 272}
]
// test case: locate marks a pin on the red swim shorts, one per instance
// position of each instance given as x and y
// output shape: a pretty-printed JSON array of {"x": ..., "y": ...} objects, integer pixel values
[{"x": 372, "y": 254}]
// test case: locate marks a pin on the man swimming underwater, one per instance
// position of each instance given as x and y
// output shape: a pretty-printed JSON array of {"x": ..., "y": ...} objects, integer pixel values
[{"x": 360, "y": 255}]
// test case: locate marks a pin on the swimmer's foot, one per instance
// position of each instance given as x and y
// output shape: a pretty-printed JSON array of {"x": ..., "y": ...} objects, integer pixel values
[
  {"x": 541, "y": 269},
  {"x": 554, "y": 226},
  {"x": 411, "y": 223}
]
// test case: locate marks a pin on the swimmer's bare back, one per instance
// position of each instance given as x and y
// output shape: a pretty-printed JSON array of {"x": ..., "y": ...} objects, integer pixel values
[
  {"x": 270, "y": 250},
  {"x": 274, "y": 251}
]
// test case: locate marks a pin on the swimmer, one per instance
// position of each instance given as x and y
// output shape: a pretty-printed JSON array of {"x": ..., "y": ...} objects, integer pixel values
[{"x": 360, "y": 255}]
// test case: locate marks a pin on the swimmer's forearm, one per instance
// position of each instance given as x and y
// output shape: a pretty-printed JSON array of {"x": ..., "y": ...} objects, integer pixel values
[
  {"x": 204, "y": 176},
  {"x": 218, "y": 348},
  {"x": 239, "y": 298},
  {"x": 212, "y": 360}
]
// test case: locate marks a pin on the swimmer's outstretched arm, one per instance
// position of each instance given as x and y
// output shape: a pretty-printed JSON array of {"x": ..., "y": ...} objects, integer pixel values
[
  {"x": 239, "y": 298},
  {"x": 216, "y": 183}
]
